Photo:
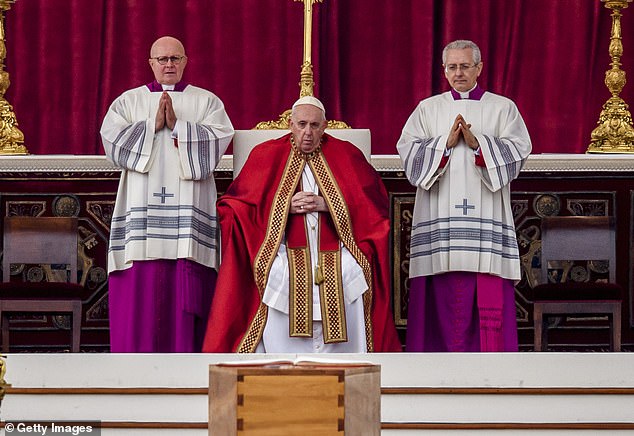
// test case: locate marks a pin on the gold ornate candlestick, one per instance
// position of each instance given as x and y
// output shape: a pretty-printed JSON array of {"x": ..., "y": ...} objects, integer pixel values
[
  {"x": 614, "y": 133},
  {"x": 11, "y": 138},
  {"x": 306, "y": 82}
]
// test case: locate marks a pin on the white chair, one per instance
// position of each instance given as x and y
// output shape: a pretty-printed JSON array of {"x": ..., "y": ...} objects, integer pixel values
[{"x": 245, "y": 140}]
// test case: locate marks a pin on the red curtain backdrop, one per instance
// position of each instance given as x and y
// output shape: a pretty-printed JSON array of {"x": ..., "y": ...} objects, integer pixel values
[{"x": 373, "y": 61}]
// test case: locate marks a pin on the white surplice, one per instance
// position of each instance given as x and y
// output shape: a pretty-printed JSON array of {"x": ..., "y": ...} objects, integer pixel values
[
  {"x": 166, "y": 202},
  {"x": 463, "y": 219}
]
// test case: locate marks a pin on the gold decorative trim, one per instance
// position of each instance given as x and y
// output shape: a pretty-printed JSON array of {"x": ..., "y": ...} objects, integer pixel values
[
  {"x": 101, "y": 211},
  {"x": 403, "y": 205},
  {"x": 333, "y": 314},
  {"x": 25, "y": 207},
  {"x": 341, "y": 218},
  {"x": 332, "y": 124},
  {"x": 282, "y": 123},
  {"x": 275, "y": 231},
  {"x": 254, "y": 333},
  {"x": 268, "y": 250},
  {"x": 300, "y": 310}
]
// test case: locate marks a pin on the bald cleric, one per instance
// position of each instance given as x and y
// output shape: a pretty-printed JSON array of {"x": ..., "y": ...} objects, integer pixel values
[
  {"x": 167, "y": 137},
  {"x": 304, "y": 248}
]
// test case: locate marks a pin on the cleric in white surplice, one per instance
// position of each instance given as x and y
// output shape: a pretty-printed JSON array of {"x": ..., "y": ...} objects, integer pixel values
[
  {"x": 167, "y": 137},
  {"x": 461, "y": 149}
]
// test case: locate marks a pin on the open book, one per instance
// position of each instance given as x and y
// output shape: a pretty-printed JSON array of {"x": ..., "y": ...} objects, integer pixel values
[{"x": 298, "y": 361}]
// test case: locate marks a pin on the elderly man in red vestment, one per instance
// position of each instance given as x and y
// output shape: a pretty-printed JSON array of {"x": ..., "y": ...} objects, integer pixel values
[{"x": 304, "y": 248}]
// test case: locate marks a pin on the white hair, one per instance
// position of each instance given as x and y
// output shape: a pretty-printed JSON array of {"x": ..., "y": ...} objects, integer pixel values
[{"x": 461, "y": 44}]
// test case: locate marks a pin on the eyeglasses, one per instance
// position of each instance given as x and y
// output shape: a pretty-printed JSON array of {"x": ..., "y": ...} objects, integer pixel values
[
  {"x": 163, "y": 60},
  {"x": 452, "y": 68}
]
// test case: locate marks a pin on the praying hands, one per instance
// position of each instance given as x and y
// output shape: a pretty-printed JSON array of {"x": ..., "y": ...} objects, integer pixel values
[
  {"x": 461, "y": 128},
  {"x": 165, "y": 115}
]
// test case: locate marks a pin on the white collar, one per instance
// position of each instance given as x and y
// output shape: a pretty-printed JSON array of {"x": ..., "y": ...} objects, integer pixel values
[{"x": 464, "y": 95}]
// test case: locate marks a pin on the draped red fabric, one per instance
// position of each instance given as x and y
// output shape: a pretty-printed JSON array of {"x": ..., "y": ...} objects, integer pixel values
[{"x": 373, "y": 61}]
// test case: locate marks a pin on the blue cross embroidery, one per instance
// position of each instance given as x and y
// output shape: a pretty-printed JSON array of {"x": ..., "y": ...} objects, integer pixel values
[
  {"x": 464, "y": 206},
  {"x": 163, "y": 195}
]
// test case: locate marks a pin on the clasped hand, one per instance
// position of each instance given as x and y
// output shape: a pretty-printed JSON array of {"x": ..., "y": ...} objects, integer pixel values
[
  {"x": 165, "y": 115},
  {"x": 462, "y": 129},
  {"x": 306, "y": 202}
]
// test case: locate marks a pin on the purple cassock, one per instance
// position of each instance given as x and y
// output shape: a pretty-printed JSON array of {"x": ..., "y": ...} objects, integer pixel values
[
  {"x": 462, "y": 320},
  {"x": 164, "y": 218},
  {"x": 160, "y": 306}
]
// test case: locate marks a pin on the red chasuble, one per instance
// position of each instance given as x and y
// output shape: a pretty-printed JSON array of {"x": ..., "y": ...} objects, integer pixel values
[{"x": 255, "y": 208}]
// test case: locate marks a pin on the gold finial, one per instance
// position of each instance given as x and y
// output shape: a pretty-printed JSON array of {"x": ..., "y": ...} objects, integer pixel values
[
  {"x": 11, "y": 138},
  {"x": 306, "y": 83},
  {"x": 615, "y": 132}
]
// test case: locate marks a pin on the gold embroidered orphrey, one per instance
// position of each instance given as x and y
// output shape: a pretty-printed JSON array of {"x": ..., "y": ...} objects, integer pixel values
[
  {"x": 300, "y": 308},
  {"x": 330, "y": 290},
  {"x": 328, "y": 278}
]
